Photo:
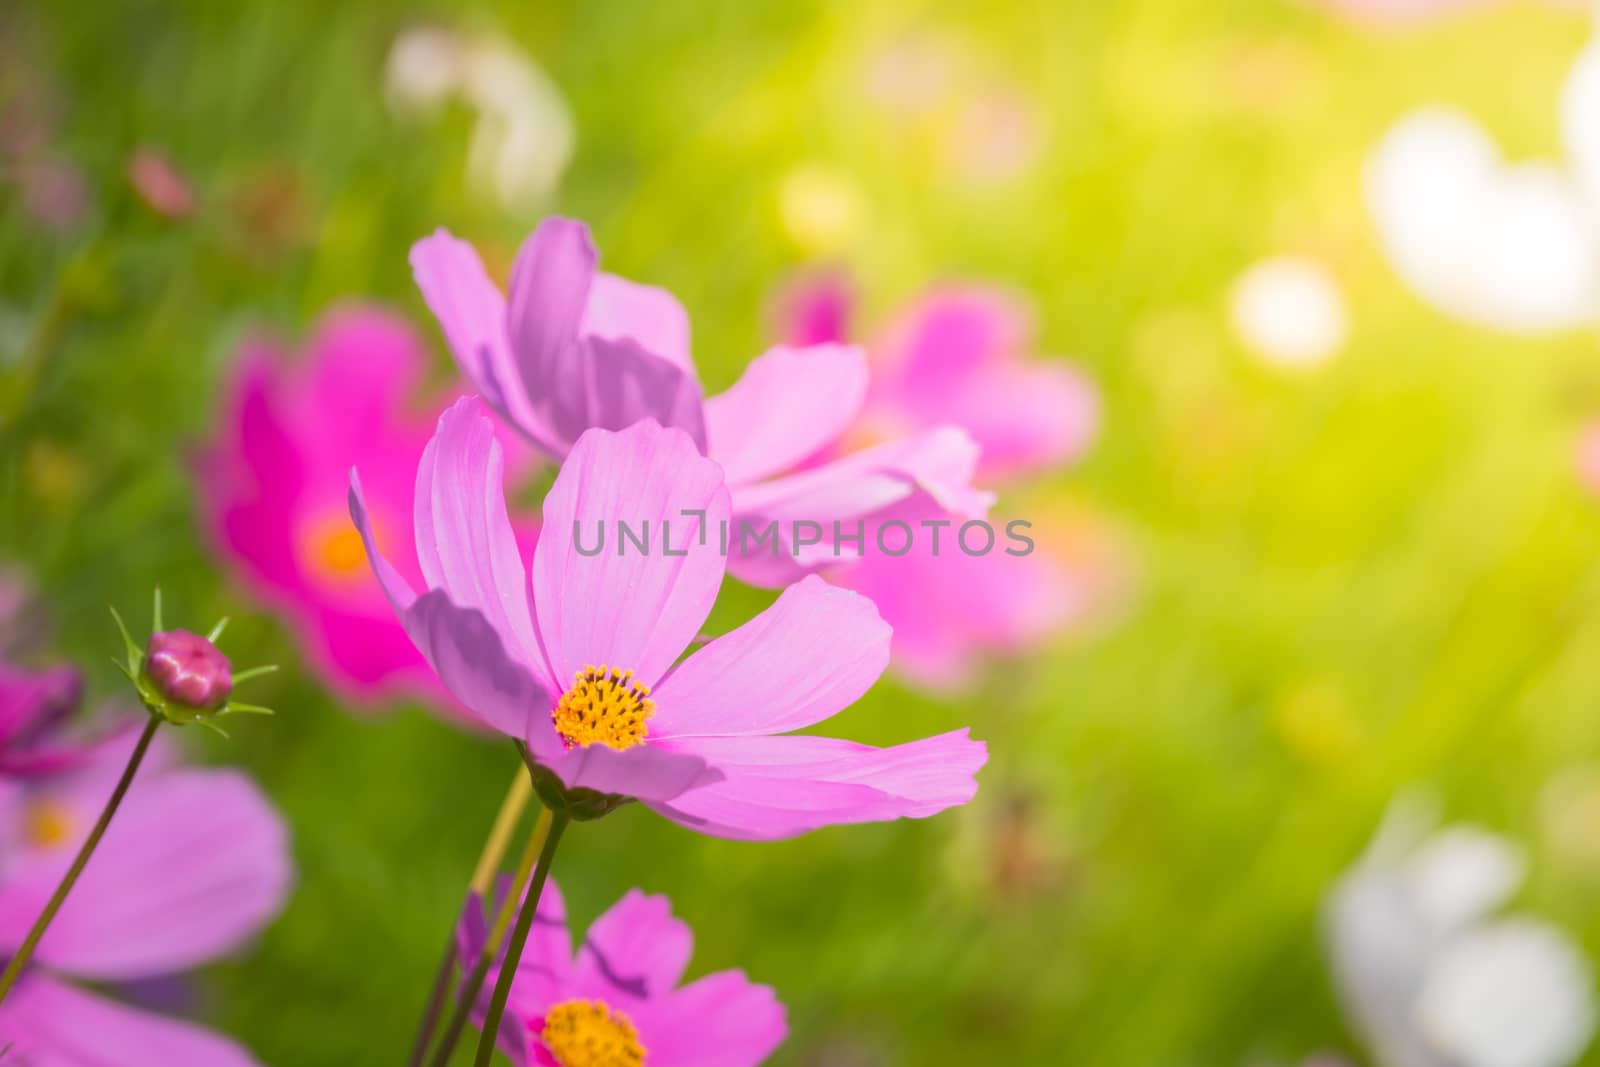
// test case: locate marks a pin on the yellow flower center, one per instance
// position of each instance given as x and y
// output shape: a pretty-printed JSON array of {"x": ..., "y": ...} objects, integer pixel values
[
  {"x": 333, "y": 549},
  {"x": 606, "y": 707},
  {"x": 46, "y": 823},
  {"x": 589, "y": 1033}
]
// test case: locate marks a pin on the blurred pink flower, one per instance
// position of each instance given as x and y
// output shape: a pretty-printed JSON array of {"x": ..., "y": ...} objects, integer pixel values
[
  {"x": 160, "y": 184},
  {"x": 34, "y": 705},
  {"x": 620, "y": 993},
  {"x": 580, "y": 658},
  {"x": 273, "y": 482},
  {"x": 195, "y": 864},
  {"x": 1400, "y": 12},
  {"x": 1588, "y": 457},
  {"x": 574, "y": 348},
  {"x": 957, "y": 355}
]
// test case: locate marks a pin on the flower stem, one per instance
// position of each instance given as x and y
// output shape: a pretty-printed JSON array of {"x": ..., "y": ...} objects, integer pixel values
[
  {"x": 68, "y": 880},
  {"x": 519, "y": 939},
  {"x": 472, "y": 984},
  {"x": 494, "y": 848}
]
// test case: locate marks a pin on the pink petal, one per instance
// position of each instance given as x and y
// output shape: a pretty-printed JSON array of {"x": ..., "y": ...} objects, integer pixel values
[
  {"x": 464, "y": 649},
  {"x": 194, "y": 865},
  {"x": 631, "y": 610},
  {"x": 646, "y": 772},
  {"x": 545, "y": 972},
  {"x": 955, "y": 358},
  {"x": 940, "y": 463},
  {"x": 619, "y": 308},
  {"x": 577, "y": 382},
  {"x": 951, "y": 609},
  {"x": 810, "y": 655},
  {"x": 637, "y": 945},
  {"x": 722, "y": 1020},
  {"x": 781, "y": 786},
  {"x": 47, "y": 1023},
  {"x": 465, "y": 542},
  {"x": 949, "y": 335},
  {"x": 472, "y": 313},
  {"x": 364, "y": 364},
  {"x": 788, "y": 405}
]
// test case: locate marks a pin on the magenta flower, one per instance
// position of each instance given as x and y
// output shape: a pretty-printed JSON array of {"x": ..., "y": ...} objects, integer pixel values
[
  {"x": 188, "y": 670},
  {"x": 956, "y": 355},
  {"x": 573, "y": 348},
  {"x": 34, "y": 707},
  {"x": 579, "y": 659},
  {"x": 195, "y": 864},
  {"x": 273, "y": 486},
  {"x": 618, "y": 1001}
]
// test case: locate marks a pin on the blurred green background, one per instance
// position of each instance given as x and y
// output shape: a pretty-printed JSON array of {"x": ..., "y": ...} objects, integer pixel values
[{"x": 1379, "y": 573}]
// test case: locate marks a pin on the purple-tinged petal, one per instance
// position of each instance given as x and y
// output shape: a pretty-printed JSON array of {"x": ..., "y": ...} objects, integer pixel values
[
  {"x": 782, "y": 786},
  {"x": 789, "y": 404},
  {"x": 939, "y": 463},
  {"x": 574, "y": 381},
  {"x": 47, "y": 1023},
  {"x": 721, "y": 1020},
  {"x": 650, "y": 315},
  {"x": 195, "y": 864},
  {"x": 464, "y": 649},
  {"x": 743, "y": 808},
  {"x": 810, "y": 655},
  {"x": 465, "y": 543},
  {"x": 622, "y": 607},
  {"x": 472, "y": 313},
  {"x": 637, "y": 946},
  {"x": 646, "y": 772}
]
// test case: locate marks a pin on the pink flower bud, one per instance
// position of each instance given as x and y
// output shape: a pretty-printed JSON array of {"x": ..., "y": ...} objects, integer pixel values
[{"x": 188, "y": 670}]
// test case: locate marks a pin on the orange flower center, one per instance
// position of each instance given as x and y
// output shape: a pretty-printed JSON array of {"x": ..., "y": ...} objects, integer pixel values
[
  {"x": 606, "y": 707},
  {"x": 332, "y": 548},
  {"x": 589, "y": 1033},
  {"x": 47, "y": 823}
]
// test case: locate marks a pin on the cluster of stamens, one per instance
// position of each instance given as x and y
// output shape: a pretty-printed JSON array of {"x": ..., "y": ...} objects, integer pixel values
[
  {"x": 589, "y": 1033},
  {"x": 604, "y": 706}
]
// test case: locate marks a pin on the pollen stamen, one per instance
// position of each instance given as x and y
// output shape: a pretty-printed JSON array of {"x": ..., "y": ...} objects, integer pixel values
[
  {"x": 604, "y": 706},
  {"x": 590, "y": 1033}
]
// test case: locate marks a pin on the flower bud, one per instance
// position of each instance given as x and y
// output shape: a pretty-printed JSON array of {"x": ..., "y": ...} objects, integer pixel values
[{"x": 187, "y": 670}]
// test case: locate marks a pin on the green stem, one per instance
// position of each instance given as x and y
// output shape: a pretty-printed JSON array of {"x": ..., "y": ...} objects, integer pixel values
[
  {"x": 472, "y": 984},
  {"x": 519, "y": 939},
  {"x": 494, "y": 848},
  {"x": 20, "y": 960}
]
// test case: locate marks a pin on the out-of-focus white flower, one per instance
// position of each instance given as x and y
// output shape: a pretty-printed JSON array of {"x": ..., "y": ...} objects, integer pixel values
[
  {"x": 1428, "y": 978},
  {"x": 1289, "y": 311},
  {"x": 525, "y": 134},
  {"x": 1513, "y": 993},
  {"x": 1515, "y": 246}
]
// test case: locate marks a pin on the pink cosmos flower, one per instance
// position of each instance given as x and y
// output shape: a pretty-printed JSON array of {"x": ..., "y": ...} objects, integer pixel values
[
  {"x": 574, "y": 348},
  {"x": 957, "y": 356},
  {"x": 35, "y": 707},
  {"x": 195, "y": 863},
  {"x": 618, "y": 1001},
  {"x": 579, "y": 659},
  {"x": 274, "y": 481}
]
